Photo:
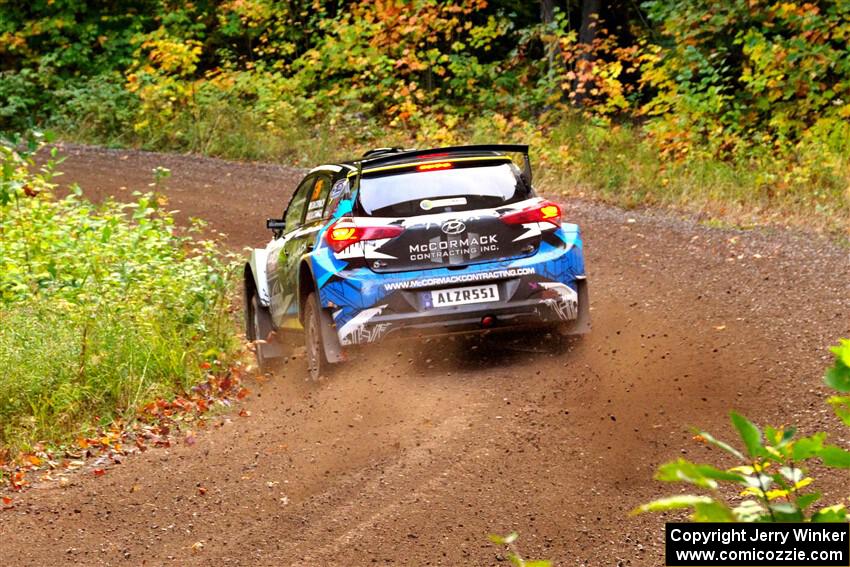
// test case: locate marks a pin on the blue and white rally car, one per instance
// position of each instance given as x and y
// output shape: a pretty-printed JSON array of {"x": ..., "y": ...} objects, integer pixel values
[{"x": 407, "y": 243}]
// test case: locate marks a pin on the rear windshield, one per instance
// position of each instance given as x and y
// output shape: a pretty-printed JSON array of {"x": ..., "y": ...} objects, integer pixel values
[{"x": 461, "y": 188}]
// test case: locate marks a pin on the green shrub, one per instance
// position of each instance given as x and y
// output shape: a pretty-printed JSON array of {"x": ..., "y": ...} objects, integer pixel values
[
  {"x": 19, "y": 98},
  {"x": 102, "y": 307},
  {"x": 517, "y": 560},
  {"x": 95, "y": 109},
  {"x": 770, "y": 482}
]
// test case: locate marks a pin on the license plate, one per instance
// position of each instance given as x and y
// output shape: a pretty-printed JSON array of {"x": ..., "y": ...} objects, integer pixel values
[{"x": 464, "y": 295}]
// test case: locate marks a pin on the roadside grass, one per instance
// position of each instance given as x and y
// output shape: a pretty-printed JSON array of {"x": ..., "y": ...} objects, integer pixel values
[
  {"x": 573, "y": 155},
  {"x": 619, "y": 165},
  {"x": 103, "y": 308}
]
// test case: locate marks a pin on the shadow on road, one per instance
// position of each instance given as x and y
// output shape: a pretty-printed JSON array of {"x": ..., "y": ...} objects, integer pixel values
[{"x": 464, "y": 353}]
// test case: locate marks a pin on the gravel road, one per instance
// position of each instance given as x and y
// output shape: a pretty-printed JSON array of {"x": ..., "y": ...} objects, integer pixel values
[{"x": 412, "y": 455}]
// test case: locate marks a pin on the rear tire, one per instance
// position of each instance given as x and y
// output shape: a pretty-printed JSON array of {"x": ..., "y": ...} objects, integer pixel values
[
  {"x": 258, "y": 326},
  {"x": 317, "y": 361}
]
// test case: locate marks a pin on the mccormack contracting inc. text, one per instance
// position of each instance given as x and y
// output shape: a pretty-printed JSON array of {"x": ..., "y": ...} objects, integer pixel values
[{"x": 762, "y": 545}]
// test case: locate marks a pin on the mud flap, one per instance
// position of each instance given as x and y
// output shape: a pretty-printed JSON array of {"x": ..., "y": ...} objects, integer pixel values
[
  {"x": 273, "y": 348},
  {"x": 581, "y": 325},
  {"x": 330, "y": 340}
]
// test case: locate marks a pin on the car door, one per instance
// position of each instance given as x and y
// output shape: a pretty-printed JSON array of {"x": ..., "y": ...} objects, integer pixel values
[
  {"x": 303, "y": 239},
  {"x": 282, "y": 292}
]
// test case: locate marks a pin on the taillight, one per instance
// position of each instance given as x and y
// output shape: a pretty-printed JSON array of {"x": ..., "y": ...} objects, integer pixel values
[
  {"x": 433, "y": 166},
  {"x": 346, "y": 231},
  {"x": 547, "y": 211}
]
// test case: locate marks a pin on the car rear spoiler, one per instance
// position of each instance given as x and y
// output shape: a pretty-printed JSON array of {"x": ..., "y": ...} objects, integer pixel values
[{"x": 405, "y": 155}]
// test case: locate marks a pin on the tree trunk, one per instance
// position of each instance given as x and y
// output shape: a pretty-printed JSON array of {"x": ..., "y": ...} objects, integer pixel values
[
  {"x": 590, "y": 12},
  {"x": 547, "y": 11},
  {"x": 589, "y": 21},
  {"x": 553, "y": 47}
]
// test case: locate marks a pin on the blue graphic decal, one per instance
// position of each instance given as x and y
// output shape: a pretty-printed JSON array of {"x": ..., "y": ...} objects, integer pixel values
[
  {"x": 345, "y": 207},
  {"x": 570, "y": 235},
  {"x": 360, "y": 288},
  {"x": 325, "y": 265}
]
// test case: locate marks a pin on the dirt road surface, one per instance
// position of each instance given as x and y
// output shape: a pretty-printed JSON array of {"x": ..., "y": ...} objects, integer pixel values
[{"x": 412, "y": 455}]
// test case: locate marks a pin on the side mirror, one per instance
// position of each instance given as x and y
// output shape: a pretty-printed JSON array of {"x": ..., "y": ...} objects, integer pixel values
[{"x": 275, "y": 224}]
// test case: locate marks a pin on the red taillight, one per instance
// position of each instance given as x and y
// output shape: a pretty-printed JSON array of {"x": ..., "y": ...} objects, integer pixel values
[
  {"x": 345, "y": 232},
  {"x": 547, "y": 211},
  {"x": 433, "y": 166}
]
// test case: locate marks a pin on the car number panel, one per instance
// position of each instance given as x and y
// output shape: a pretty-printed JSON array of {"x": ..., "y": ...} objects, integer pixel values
[{"x": 463, "y": 295}]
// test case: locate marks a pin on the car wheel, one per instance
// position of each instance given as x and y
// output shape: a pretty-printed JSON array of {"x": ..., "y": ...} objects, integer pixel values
[
  {"x": 258, "y": 323},
  {"x": 317, "y": 361}
]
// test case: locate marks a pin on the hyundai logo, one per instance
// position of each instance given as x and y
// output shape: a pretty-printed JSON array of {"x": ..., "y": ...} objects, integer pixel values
[{"x": 453, "y": 227}]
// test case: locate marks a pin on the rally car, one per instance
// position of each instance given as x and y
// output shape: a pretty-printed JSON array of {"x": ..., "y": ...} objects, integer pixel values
[{"x": 408, "y": 243}]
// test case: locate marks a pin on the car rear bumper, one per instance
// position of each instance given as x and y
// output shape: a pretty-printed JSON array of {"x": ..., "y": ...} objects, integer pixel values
[{"x": 567, "y": 307}]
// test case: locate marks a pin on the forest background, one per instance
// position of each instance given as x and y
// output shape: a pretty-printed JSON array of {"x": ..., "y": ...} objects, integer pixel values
[{"x": 737, "y": 110}]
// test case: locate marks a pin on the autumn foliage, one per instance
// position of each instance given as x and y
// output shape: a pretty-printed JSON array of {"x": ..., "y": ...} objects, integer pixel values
[{"x": 705, "y": 104}]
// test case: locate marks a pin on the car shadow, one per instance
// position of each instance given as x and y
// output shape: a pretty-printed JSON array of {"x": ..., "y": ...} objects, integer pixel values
[
  {"x": 490, "y": 351},
  {"x": 442, "y": 355}
]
